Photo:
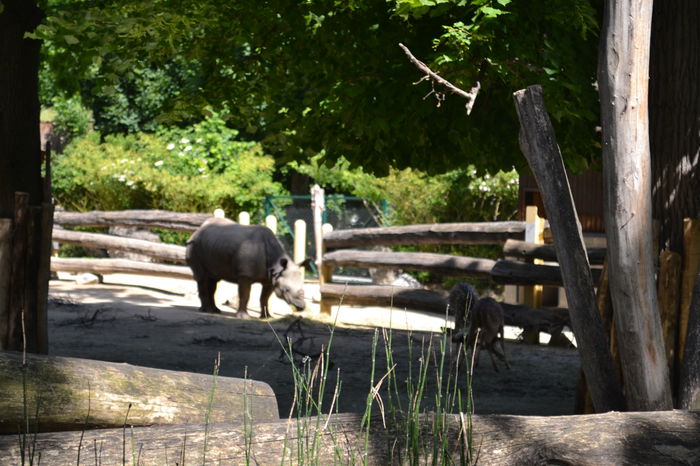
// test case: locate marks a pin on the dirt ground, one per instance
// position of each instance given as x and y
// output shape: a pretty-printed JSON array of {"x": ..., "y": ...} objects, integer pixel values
[{"x": 156, "y": 323}]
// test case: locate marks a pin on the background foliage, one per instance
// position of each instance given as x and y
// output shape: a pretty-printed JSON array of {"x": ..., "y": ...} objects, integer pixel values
[
  {"x": 197, "y": 168},
  {"x": 315, "y": 76}
]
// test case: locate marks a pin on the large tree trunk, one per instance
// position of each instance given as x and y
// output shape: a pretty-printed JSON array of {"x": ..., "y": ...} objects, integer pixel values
[
  {"x": 24, "y": 296},
  {"x": 623, "y": 80},
  {"x": 674, "y": 109}
]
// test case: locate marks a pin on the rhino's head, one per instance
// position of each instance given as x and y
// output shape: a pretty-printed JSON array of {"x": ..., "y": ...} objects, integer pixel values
[{"x": 288, "y": 282}]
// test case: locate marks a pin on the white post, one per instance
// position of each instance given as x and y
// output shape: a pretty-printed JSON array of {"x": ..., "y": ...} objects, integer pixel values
[
  {"x": 300, "y": 243},
  {"x": 271, "y": 222},
  {"x": 244, "y": 218},
  {"x": 318, "y": 205},
  {"x": 219, "y": 213}
]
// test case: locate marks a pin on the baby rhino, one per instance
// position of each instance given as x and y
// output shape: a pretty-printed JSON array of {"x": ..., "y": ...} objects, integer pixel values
[
  {"x": 484, "y": 317},
  {"x": 224, "y": 250}
]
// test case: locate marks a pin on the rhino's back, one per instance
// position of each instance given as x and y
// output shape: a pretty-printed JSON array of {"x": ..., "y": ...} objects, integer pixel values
[{"x": 225, "y": 250}]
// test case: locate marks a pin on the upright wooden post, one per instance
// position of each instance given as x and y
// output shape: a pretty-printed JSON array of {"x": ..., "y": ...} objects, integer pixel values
[
  {"x": 623, "y": 78},
  {"x": 538, "y": 143},
  {"x": 691, "y": 265},
  {"x": 532, "y": 295},
  {"x": 689, "y": 383},
  {"x": 325, "y": 272},
  {"x": 271, "y": 222},
  {"x": 623, "y": 72},
  {"x": 5, "y": 270},
  {"x": 244, "y": 218},
  {"x": 318, "y": 205},
  {"x": 300, "y": 243},
  {"x": 669, "y": 303}
]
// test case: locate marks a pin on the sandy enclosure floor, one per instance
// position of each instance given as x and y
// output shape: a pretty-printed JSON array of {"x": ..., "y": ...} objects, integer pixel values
[{"x": 155, "y": 322}]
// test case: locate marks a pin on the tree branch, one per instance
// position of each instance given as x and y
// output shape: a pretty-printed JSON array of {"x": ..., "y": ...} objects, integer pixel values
[{"x": 437, "y": 79}]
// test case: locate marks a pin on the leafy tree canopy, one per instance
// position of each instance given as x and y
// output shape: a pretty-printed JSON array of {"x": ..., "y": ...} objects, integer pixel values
[{"x": 306, "y": 77}]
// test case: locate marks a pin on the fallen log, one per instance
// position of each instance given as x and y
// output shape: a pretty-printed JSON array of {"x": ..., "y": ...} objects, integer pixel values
[
  {"x": 71, "y": 394},
  {"x": 664, "y": 437},
  {"x": 107, "y": 266},
  {"x": 443, "y": 233},
  {"x": 177, "y": 221},
  {"x": 546, "y": 252},
  {"x": 442, "y": 264},
  {"x": 158, "y": 251}
]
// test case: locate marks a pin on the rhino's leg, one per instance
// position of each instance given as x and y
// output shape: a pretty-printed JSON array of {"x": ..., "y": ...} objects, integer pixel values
[
  {"x": 264, "y": 300},
  {"x": 206, "y": 288},
  {"x": 243, "y": 297}
]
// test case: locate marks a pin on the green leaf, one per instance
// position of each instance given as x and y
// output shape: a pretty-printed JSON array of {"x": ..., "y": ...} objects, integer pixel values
[
  {"x": 71, "y": 39},
  {"x": 491, "y": 12}
]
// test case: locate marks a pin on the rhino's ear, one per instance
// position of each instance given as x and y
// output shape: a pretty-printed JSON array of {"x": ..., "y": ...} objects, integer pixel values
[{"x": 276, "y": 270}]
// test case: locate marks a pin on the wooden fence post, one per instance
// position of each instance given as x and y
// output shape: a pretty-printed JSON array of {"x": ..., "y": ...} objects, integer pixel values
[
  {"x": 5, "y": 268},
  {"x": 669, "y": 303},
  {"x": 300, "y": 243},
  {"x": 244, "y": 218},
  {"x": 325, "y": 272},
  {"x": 538, "y": 143},
  {"x": 532, "y": 295},
  {"x": 271, "y": 222},
  {"x": 691, "y": 265}
]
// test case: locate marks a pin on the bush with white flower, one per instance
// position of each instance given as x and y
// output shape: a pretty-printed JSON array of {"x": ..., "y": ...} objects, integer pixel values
[{"x": 194, "y": 169}]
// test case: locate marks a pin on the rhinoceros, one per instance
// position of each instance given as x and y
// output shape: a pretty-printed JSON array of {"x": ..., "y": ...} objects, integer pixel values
[{"x": 224, "y": 250}]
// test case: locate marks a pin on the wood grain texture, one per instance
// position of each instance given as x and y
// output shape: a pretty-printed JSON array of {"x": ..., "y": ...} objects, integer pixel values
[
  {"x": 670, "y": 437},
  {"x": 443, "y": 233},
  {"x": 538, "y": 144},
  {"x": 132, "y": 218},
  {"x": 69, "y": 394}
]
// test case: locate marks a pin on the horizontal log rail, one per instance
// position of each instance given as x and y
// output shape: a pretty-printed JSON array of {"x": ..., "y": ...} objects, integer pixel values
[
  {"x": 502, "y": 271},
  {"x": 437, "y": 233},
  {"x": 158, "y": 251},
  {"x": 176, "y": 221},
  {"x": 547, "y": 252},
  {"x": 443, "y": 264},
  {"x": 661, "y": 437},
  {"x": 435, "y": 302},
  {"x": 108, "y": 266}
]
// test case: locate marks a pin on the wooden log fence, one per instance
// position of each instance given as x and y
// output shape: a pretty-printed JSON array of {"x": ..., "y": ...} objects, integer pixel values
[
  {"x": 176, "y": 221},
  {"x": 158, "y": 251},
  {"x": 546, "y": 252},
  {"x": 502, "y": 271},
  {"x": 440, "y": 233},
  {"x": 108, "y": 266}
]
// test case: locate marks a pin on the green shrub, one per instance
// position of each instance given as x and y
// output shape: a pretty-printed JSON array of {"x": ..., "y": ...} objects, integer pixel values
[
  {"x": 146, "y": 171},
  {"x": 414, "y": 197},
  {"x": 461, "y": 195},
  {"x": 70, "y": 118}
]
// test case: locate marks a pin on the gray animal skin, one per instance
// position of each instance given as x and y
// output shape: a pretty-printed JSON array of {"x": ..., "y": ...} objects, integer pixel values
[
  {"x": 486, "y": 322},
  {"x": 462, "y": 298},
  {"x": 224, "y": 250}
]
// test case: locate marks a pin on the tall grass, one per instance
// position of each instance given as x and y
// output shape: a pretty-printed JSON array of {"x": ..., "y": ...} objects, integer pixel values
[{"x": 403, "y": 403}]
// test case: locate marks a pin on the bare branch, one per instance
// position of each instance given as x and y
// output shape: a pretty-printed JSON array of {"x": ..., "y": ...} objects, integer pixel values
[{"x": 437, "y": 79}]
